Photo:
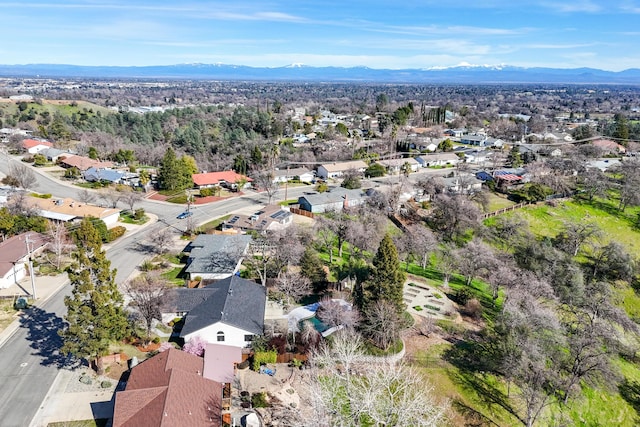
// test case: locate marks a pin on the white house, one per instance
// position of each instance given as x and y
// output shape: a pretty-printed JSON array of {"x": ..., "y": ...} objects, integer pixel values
[
  {"x": 285, "y": 175},
  {"x": 14, "y": 254},
  {"x": 335, "y": 170},
  {"x": 439, "y": 159},
  {"x": 33, "y": 146},
  {"x": 232, "y": 314},
  {"x": 395, "y": 165}
]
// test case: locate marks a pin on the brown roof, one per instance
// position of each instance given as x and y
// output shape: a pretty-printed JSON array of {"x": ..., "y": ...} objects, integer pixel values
[
  {"x": 14, "y": 249},
  {"x": 84, "y": 163},
  {"x": 169, "y": 390},
  {"x": 70, "y": 206}
]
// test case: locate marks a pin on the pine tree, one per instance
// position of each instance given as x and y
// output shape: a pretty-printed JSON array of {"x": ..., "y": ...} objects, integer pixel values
[
  {"x": 95, "y": 314},
  {"x": 386, "y": 279},
  {"x": 169, "y": 172}
]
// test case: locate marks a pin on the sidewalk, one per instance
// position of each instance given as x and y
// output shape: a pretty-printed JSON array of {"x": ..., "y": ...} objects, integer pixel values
[{"x": 67, "y": 399}]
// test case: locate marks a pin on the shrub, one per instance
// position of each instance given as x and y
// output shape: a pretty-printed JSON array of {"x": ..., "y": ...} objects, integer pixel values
[
  {"x": 206, "y": 192},
  {"x": 473, "y": 308},
  {"x": 147, "y": 266},
  {"x": 85, "y": 379},
  {"x": 156, "y": 340},
  {"x": 260, "y": 400},
  {"x": 262, "y": 358},
  {"x": 431, "y": 307},
  {"x": 437, "y": 295},
  {"x": 138, "y": 214},
  {"x": 105, "y": 384},
  {"x": 116, "y": 232},
  {"x": 417, "y": 308}
]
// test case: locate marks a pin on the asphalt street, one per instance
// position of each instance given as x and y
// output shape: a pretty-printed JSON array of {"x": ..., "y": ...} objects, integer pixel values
[{"x": 29, "y": 361}]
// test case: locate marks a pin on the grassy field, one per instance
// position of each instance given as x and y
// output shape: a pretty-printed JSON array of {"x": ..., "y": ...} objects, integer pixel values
[
  {"x": 498, "y": 201},
  {"x": 547, "y": 221}
]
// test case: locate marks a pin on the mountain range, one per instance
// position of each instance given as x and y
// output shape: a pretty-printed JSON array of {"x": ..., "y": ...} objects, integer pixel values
[{"x": 465, "y": 73}]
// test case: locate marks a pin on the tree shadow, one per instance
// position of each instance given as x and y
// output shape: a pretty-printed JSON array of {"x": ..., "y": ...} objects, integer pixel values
[
  {"x": 630, "y": 392},
  {"x": 43, "y": 336},
  {"x": 473, "y": 363}
]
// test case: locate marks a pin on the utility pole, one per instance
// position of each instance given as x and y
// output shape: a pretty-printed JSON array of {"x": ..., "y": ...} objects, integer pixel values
[
  {"x": 286, "y": 183},
  {"x": 33, "y": 279}
]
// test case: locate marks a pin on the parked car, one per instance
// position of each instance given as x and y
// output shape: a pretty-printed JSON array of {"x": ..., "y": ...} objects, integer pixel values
[{"x": 184, "y": 215}]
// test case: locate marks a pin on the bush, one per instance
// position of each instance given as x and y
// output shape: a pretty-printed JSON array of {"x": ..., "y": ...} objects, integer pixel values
[
  {"x": 417, "y": 308},
  {"x": 437, "y": 295},
  {"x": 431, "y": 307},
  {"x": 116, "y": 232},
  {"x": 105, "y": 384},
  {"x": 156, "y": 340},
  {"x": 262, "y": 358},
  {"x": 260, "y": 400},
  {"x": 138, "y": 214},
  {"x": 473, "y": 308},
  {"x": 206, "y": 192},
  {"x": 85, "y": 379}
]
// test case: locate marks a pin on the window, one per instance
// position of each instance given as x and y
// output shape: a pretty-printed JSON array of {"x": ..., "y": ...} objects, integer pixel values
[
  {"x": 248, "y": 338},
  {"x": 220, "y": 336}
]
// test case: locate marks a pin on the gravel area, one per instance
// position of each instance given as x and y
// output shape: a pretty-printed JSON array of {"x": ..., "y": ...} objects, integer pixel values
[{"x": 76, "y": 386}]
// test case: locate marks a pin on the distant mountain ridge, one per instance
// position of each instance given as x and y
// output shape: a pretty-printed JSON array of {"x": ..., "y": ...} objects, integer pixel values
[{"x": 464, "y": 73}]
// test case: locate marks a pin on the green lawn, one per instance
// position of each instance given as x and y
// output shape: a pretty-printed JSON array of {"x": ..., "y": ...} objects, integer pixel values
[
  {"x": 498, "y": 201},
  {"x": 175, "y": 275},
  {"x": 212, "y": 225}
]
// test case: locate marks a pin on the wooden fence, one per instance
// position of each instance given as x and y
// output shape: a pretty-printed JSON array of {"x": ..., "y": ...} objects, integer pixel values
[{"x": 298, "y": 211}]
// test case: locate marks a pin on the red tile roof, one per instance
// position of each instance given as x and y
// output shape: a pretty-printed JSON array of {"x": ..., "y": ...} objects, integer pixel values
[
  {"x": 214, "y": 178},
  {"x": 30, "y": 143},
  {"x": 169, "y": 390}
]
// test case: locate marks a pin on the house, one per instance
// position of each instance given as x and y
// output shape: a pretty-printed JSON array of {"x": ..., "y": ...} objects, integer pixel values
[
  {"x": 272, "y": 217},
  {"x": 217, "y": 179},
  {"x": 301, "y": 174},
  {"x": 608, "y": 146},
  {"x": 479, "y": 140},
  {"x": 507, "y": 179},
  {"x": 439, "y": 159},
  {"x": 69, "y": 209},
  {"x": 233, "y": 313},
  {"x": 216, "y": 256},
  {"x": 456, "y": 133},
  {"x": 54, "y": 154},
  {"x": 336, "y": 170},
  {"x": 14, "y": 256},
  {"x": 463, "y": 183},
  {"x": 99, "y": 175},
  {"x": 603, "y": 164},
  {"x": 169, "y": 390},
  {"x": 476, "y": 156},
  {"x": 82, "y": 163},
  {"x": 395, "y": 165},
  {"x": 34, "y": 146},
  {"x": 335, "y": 200}
]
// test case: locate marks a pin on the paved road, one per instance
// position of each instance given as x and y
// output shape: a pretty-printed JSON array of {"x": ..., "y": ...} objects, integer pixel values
[{"x": 28, "y": 361}]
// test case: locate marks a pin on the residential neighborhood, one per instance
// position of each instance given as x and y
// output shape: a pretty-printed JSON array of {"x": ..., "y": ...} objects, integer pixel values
[{"x": 410, "y": 246}]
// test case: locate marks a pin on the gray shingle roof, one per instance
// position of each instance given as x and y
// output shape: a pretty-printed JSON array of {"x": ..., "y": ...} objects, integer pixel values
[
  {"x": 235, "y": 301},
  {"x": 333, "y": 196},
  {"x": 216, "y": 253}
]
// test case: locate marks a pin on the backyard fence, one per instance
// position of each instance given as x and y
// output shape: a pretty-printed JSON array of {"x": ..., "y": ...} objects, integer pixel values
[{"x": 299, "y": 211}]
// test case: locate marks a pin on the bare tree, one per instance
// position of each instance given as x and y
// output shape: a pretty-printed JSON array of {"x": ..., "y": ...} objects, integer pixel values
[
  {"x": 112, "y": 196},
  {"x": 453, "y": 215},
  {"x": 380, "y": 393},
  {"x": 266, "y": 182},
  {"x": 149, "y": 293},
  {"x": 293, "y": 285},
  {"x": 161, "y": 240},
  {"x": 22, "y": 175},
  {"x": 382, "y": 324},
  {"x": 575, "y": 234},
  {"x": 474, "y": 259},
  {"x": 87, "y": 197},
  {"x": 446, "y": 263},
  {"x": 131, "y": 198},
  {"x": 59, "y": 243},
  {"x": 334, "y": 313}
]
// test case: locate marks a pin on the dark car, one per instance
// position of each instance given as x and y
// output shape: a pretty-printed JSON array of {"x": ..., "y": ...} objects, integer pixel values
[{"x": 184, "y": 215}]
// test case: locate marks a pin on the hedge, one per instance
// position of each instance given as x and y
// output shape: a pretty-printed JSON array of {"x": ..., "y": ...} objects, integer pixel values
[
  {"x": 263, "y": 358},
  {"x": 116, "y": 232}
]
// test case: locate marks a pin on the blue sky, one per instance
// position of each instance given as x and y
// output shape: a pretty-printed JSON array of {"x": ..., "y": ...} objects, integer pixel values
[{"x": 373, "y": 33}]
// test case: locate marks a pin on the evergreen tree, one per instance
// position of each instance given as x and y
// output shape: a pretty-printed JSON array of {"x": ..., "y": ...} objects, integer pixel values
[
  {"x": 169, "y": 173},
  {"x": 95, "y": 314},
  {"x": 386, "y": 279},
  {"x": 311, "y": 267}
]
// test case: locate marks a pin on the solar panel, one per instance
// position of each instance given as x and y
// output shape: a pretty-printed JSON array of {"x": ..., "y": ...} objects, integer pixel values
[
  {"x": 280, "y": 215},
  {"x": 234, "y": 220}
]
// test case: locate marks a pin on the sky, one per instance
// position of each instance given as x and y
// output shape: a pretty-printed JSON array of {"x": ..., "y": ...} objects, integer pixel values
[{"x": 374, "y": 33}]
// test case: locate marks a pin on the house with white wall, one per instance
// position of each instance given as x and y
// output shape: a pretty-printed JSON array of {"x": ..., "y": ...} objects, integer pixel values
[
  {"x": 337, "y": 169},
  {"x": 231, "y": 314},
  {"x": 14, "y": 256},
  {"x": 216, "y": 256}
]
